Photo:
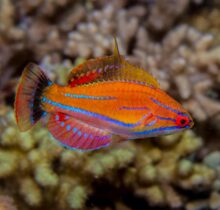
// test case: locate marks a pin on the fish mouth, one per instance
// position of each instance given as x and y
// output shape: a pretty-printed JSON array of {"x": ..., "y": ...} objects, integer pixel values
[{"x": 191, "y": 123}]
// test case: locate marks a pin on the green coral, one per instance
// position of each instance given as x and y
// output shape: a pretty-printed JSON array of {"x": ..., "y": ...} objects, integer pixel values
[
  {"x": 152, "y": 168},
  {"x": 154, "y": 194},
  {"x": 185, "y": 168},
  {"x": 45, "y": 176},
  {"x": 30, "y": 191},
  {"x": 213, "y": 159},
  {"x": 8, "y": 162},
  {"x": 77, "y": 197},
  {"x": 148, "y": 174}
]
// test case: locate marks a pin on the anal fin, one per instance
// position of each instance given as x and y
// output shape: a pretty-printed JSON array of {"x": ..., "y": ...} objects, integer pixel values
[{"x": 75, "y": 134}]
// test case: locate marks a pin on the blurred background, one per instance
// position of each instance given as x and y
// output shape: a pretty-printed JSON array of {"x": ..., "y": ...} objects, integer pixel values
[{"x": 177, "y": 41}]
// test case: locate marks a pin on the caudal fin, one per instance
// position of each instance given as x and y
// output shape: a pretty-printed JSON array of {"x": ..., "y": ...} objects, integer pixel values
[{"x": 27, "y": 102}]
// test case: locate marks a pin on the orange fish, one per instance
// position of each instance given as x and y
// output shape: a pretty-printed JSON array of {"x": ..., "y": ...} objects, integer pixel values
[{"x": 106, "y": 100}]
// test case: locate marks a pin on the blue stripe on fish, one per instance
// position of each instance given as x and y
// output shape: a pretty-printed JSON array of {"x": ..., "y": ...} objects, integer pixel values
[
  {"x": 166, "y": 118},
  {"x": 133, "y": 108},
  {"x": 82, "y": 111},
  {"x": 146, "y": 132},
  {"x": 155, "y": 130},
  {"x": 167, "y": 107},
  {"x": 89, "y": 97}
]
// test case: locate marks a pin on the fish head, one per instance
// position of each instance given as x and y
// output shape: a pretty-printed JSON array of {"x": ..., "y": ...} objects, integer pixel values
[{"x": 170, "y": 116}]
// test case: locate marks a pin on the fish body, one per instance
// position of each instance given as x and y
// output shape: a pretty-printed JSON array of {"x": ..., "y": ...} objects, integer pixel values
[{"x": 107, "y": 100}]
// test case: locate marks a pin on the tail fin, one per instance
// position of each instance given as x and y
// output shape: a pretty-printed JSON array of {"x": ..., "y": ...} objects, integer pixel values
[{"x": 27, "y": 102}]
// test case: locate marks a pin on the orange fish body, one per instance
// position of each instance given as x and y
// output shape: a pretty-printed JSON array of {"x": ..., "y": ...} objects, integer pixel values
[{"x": 106, "y": 100}]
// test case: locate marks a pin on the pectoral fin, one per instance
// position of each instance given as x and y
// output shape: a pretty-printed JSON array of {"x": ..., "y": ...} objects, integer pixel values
[{"x": 75, "y": 134}]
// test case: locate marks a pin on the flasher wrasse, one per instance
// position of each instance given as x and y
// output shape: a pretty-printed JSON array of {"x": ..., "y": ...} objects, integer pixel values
[{"x": 106, "y": 100}]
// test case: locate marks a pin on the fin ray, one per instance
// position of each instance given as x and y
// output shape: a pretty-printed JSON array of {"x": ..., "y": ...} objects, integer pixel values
[
  {"x": 116, "y": 50},
  {"x": 27, "y": 102},
  {"x": 75, "y": 134},
  {"x": 109, "y": 68}
]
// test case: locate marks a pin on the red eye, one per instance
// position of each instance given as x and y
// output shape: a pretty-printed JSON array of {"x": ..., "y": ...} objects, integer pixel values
[{"x": 182, "y": 121}]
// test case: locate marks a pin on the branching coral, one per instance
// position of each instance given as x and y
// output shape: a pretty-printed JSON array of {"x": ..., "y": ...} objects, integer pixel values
[
  {"x": 25, "y": 38},
  {"x": 102, "y": 24},
  {"x": 160, "y": 178},
  {"x": 30, "y": 191},
  {"x": 7, "y": 15},
  {"x": 154, "y": 169},
  {"x": 7, "y": 203},
  {"x": 188, "y": 59},
  {"x": 181, "y": 52},
  {"x": 164, "y": 13},
  {"x": 66, "y": 177},
  {"x": 43, "y": 8},
  {"x": 184, "y": 57}
]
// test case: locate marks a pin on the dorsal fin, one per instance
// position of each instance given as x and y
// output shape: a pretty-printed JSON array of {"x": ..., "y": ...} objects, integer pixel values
[
  {"x": 116, "y": 51},
  {"x": 109, "y": 68}
]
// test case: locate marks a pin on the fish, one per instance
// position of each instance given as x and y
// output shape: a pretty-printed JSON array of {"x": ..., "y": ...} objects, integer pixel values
[{"x": 106, "y": 100}]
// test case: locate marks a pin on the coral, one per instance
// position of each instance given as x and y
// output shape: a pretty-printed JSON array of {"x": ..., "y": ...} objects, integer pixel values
[
  {"x": 186, "y": 57},
  {"x": 213, "y": 159},
  {"x": 152, "y": 169},
  {"x": 7, "y": 15},
  {"x": 44, "y": 176},
  {"x": 184, "y": 168},
  {"x": 206, "y": 22},
  {"x": 214, "y": 202},
  {"x": 178, "y": 46},
  {"x": 162, "y": 176},
  {"x": 26, "y": 39},
  {"x": 36, "y": 162},
  {"x": 7, "y": 203},
  {"x": 211, "y": 203},
  {"x": 44, "y": 8},
  {"x": 164, "y": 13},
  {"x": 196, "y": 205},
  {"x": 57, "y": 70},
  {"x": 94, "y": 37},
  {"x": 77, "y": 197},
  {"x": 153, "y": 193},
  {"x": 8, "y": 163},
  {"x": 30, "y": 191}
]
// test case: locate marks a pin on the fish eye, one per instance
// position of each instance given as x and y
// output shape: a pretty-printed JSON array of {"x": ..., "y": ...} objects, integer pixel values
[{"x": 182, "y": 121}]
